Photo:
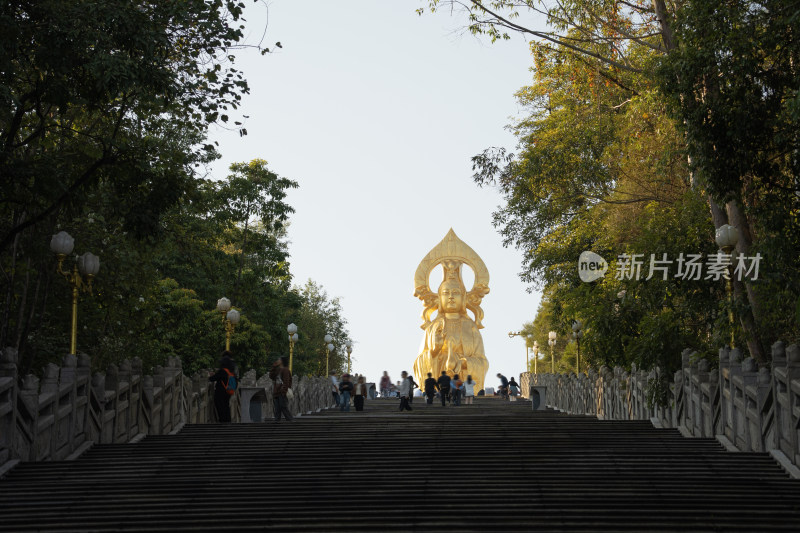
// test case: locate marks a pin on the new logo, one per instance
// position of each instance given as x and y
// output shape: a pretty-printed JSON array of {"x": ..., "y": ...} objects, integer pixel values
[{"x": 591, "y": 266}]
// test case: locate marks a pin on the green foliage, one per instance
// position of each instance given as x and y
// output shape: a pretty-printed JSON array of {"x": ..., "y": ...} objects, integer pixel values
[
  {"x": 117, "y": 92},
  {"x": 623, "y": 93},
  {"x": 155, "y": 297},
  {"x": 658, "y": 393},
  {"x": 318, "y": 316},
  {"x": 734, "y": 88}
]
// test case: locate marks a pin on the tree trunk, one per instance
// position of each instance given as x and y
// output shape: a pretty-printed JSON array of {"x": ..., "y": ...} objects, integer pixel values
[
  {"x": 667, "y": 35},
  {"x": 750, "y": 317}
]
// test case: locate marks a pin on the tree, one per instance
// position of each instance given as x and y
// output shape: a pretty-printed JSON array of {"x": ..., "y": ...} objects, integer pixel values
[
  {"x": 115, "y": 91},
  {"x": 253, "y": 191},
  {"x": 623, "y": 44},
  {"x": 318, "y": 316},
  {"x": 733, "y": 86}
]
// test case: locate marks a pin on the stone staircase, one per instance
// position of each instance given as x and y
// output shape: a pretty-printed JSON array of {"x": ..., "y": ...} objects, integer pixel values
[{"x": 487, "y": 467}]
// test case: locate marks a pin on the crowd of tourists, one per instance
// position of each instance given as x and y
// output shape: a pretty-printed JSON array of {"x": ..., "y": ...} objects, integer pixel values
[{"x": 347, "y": 389}]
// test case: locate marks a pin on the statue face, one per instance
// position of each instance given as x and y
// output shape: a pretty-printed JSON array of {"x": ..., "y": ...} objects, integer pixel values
[{"x": 451, "y": 297}]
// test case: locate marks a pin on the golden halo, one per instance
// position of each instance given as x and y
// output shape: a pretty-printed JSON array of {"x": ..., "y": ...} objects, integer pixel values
[{"x": 451, "y": 247}]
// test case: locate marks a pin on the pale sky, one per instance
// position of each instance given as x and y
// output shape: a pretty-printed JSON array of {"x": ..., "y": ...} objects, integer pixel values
[{"x": 376, "y": 112}]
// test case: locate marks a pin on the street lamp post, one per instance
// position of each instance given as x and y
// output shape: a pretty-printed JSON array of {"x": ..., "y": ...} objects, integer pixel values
[
  {"x": 527, "y": 357},
  {"x": 328, "y": 349},
  {"x": 349, "y": 346},
  {"x": 87, "y": 265},
  {"x": 552, "y": 342},
  {"x": 230, "y": 317},
  {"x": 292, "y": 330},
  {"x": 535, "y": 357},
  {"x": 577, "y": 334},
  {"x": 726, "y": 237}
]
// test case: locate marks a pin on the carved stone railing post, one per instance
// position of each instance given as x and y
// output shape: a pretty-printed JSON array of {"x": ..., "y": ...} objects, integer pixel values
[
  {"x": 148, "y": 399},
  {"x": 662, "y": 411},
  {"x": 164, "y": 381},
  {"x": 27, "y": 417},
  {"x": 598, "y": 393},
  {"x": 746, "y": 378},
  {"x": 785, "y": 373},
  {"x": 157, "y": 407},
  {"x": 8, "y": 396},
  {"x": 116, "y": 405},
  {"x": 760, "y": 412},
  {"x": 525, "y": 384},
  {"x": 690, "y": 409},
  {"x": 708, "y": 389},
  {"x": 104, "y": 410},
  {"x": 727, "y": 369},
  {"x": 83, "y": 393},
  {"x": 174, "y": 394},
  {"x": 135, "y": 387},
  {"x": 793, "y": 373},
  {"x": 66, "y": 408},
  {"x": 58, "y": 384}
]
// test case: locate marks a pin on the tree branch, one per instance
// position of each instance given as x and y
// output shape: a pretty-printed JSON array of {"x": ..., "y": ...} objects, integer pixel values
[{"x": 557, "y": 39}]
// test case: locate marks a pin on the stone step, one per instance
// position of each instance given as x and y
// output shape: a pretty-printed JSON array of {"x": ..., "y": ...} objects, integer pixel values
[{"x": 470, "y": 468}]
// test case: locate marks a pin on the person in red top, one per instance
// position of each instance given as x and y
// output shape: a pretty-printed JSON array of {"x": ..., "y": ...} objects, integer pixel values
[
  {"x": 456, "y": 385},
  {"x": 385, "y": 385},
  {"x": 220, "y": 379},
  {"x": 281, "y": 383}
]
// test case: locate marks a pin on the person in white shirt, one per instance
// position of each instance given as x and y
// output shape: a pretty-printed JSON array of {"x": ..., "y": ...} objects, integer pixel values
[
  {"x": 469, "y": 390},
  {"x": 359, "y": 393},
  {"x": 405, "y": 392},
  {"x": 335, "y": 388}
]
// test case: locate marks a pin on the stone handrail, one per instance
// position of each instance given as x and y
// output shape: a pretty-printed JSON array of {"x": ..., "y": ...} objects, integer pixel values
[
  {"x": 70, "y": 409},
  {"x": 743, "y": 406}
]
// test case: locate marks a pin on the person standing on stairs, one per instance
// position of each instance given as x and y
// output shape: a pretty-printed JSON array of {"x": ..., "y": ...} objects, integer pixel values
[
  {"x": 345, "y": 391},
  {"x": 456, "y": 386},
  {"x": 430, "y": 389},
  {"x": 385, "y": 385},
  {"x": 359, "y": 393},
  {"x": 335, "y": 388},
  {"x": 281, "y": 383},
  {"x": 513, "y": 389},
  {"x": 227, "y": 368},
  {"x": 469, "y": 390},
  {"x": 444, "y": 386},
  {"x": 414, "y": 385},
  {"x": 405, "y": 392}
]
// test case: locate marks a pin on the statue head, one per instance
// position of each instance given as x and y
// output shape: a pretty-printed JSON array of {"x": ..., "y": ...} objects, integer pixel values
[
  {"x": 452, "y": 293},
  {"x": 451, "y": 297}
]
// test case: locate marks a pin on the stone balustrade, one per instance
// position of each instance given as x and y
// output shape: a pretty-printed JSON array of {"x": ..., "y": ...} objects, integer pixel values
[
  {"x": 69, "y": 408},
  {"x": 745, "y": 407}
]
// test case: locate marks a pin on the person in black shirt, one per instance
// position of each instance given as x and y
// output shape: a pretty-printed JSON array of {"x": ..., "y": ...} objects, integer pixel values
[
  {"x": 503, "y": 386},
  {"x": 345, "y": 390},
  {"x": 444, "y": 386},
  {"x": 227, "y": 368},
  {"x": 430, "y": 388},
  {"x": 414, "y": 385}
]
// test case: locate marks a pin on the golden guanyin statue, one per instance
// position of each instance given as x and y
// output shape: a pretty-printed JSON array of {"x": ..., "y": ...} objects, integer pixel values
[{"x": 452, "y": 341}]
